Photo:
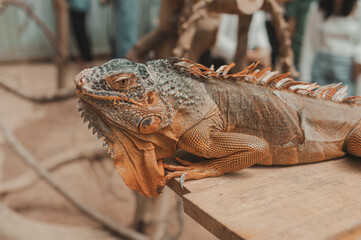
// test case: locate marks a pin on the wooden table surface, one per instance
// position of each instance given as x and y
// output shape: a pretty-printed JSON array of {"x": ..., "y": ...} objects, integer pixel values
[{"x": 310, "y": 201}]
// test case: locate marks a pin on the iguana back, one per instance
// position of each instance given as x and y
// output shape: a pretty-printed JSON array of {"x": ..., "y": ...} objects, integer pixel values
[{"x": 298, "y": 129}]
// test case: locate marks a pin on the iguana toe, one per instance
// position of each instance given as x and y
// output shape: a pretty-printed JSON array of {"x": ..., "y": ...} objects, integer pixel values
[
  {"x": 175, "y": 167},
  {"x": 182, "y": 161}
]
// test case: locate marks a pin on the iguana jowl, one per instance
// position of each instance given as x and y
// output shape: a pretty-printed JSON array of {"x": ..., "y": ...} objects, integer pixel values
[{"x": 147, "y": 111}]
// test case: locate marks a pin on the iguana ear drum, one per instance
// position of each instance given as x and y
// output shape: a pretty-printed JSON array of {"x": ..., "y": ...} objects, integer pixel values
[{"x": 149, "y": 124}]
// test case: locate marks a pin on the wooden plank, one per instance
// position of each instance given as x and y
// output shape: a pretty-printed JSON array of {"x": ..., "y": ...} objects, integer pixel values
[
  {"x": 350, "y": 234},
  {"x": 311, "y": 201}
]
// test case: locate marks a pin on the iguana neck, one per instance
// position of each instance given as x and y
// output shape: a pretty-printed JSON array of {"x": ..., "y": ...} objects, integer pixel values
[
  {"x": 187, "y": 100},
  {"x": 179, "y": 92}
]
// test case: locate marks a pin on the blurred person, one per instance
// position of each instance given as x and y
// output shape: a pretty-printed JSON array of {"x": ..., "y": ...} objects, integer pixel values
[
  {"x": 296, "y": 14},
  {"x": 131, "y": 19},
  {"x": 78, "y": 10},
  {"x": 149, "y": 17},
  {"x": 126, "y": 26},
  {"x": 332, "y": 43}
]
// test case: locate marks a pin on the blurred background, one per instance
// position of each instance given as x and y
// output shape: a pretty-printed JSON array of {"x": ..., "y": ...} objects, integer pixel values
[{"x": 44, "y": 44}]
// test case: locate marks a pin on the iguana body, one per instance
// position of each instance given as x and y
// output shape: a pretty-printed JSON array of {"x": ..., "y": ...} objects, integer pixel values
[{"x": 146, "y": 112}]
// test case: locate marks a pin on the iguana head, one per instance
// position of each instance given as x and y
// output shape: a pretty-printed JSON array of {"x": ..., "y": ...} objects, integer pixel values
[{"x": 124, "y": 93}]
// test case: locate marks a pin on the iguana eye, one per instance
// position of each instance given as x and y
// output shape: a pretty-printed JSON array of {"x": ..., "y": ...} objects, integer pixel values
[{"x": 121, "y": 81}]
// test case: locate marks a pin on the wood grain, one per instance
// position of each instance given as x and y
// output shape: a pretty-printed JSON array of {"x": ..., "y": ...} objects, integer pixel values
[{"x": 311, "y": 201}]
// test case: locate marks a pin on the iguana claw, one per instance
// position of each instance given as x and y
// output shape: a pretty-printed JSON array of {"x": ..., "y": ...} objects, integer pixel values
[
  {"x": 194, "y": 171},
  {"x": 182, "y": 179}
]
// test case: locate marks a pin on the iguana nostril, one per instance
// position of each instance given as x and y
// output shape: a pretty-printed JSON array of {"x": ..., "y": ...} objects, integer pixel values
[
  {"x": 79, "y": 82},
  {"x": 151, "y": 98}
]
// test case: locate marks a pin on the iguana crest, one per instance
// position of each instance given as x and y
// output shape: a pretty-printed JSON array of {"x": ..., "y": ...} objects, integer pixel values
[{"x": 272, "y": 79}]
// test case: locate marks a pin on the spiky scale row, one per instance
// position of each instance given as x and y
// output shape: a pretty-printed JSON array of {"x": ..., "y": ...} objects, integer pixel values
[
  {"x": 272, "y": 79},
  {"x": 353, "y": 100},
  {"x": 86, "y": 118}
]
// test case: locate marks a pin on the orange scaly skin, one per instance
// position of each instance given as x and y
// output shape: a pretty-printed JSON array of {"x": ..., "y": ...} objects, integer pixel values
[{"x": 145, "y": 112}]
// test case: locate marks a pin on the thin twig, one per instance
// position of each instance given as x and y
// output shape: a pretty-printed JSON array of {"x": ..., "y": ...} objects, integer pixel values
[
  {"x": 30, "y": 160},
  {"x": 29, "y": 178},
  {"x": 49, "y": 97}
]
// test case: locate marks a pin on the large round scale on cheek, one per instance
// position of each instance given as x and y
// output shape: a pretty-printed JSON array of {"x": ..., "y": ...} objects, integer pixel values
[{"x": 149, "y": 124}]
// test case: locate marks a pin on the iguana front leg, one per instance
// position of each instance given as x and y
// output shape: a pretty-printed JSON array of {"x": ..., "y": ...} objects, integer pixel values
[{"x": 225, "y": 152}]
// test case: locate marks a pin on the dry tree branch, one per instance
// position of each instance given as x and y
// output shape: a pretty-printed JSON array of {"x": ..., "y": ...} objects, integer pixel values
[
  {"x": 23, "y": 26},
  {"x": 11, "y": 222},
  {"x": 244, "y": 22},
  {"x": 62, "y": 37},
  {"x": 59, "y": 43},
  {"x": 163, "y": 218},
  {"x": 139, "y": 51},
  {"x": 29, "y": 178},
  {"x": 179, "y": 215},
  {"x": 148, "y": 42},
  {"x": 151, "y": 216},
  {"x": 61, "y": 94},
  {"x": 191, "y": 13},
  {"x": 30, "y": 13},
  {"x": 283, "y": 36},
  {"x": 30, "y": 160}
]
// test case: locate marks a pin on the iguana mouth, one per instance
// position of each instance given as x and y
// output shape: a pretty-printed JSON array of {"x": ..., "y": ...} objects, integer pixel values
[{"x": 105, "y": 96}]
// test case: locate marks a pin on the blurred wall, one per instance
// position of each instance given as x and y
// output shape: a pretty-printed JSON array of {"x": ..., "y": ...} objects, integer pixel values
[{"x": 21, "y": 38}]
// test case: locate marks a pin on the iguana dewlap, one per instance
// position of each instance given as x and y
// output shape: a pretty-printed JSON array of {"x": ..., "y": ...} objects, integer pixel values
[{"x": 145, "y": 112}]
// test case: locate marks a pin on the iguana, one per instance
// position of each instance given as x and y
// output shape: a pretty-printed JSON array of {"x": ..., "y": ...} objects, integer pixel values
[{"x": 145, "y": 112}]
